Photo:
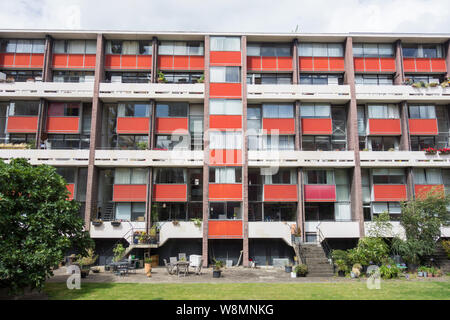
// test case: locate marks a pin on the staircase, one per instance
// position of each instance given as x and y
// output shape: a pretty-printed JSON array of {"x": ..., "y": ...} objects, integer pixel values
[
  {"x": 108, "y": 212},
  {"x": 440, "y": 256},
  {"x": 316, "y": 260}
]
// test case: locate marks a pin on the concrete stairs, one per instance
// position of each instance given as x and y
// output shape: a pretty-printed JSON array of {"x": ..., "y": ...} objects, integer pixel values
[
  {"x": 316, "y": 260},
  {"x": 440, "y": 256}
]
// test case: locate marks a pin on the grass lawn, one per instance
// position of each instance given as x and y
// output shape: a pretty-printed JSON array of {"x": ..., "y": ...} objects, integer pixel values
[{"x": 390, "y": 290}]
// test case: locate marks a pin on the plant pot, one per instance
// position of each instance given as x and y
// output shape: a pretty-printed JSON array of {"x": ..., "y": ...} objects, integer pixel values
[
  {"x": 288, "y": 269},
  {"x": 115, "y": 223},
  {"x": 217, "y": 273},
  {"x": 84, "y": 273},
  {"x": 420, "y": 274},
  {"x": 430, "y": 275},
  {"x": 341, "y": 273},
  {"x": 97, "y": 223},
  {"x": 293, "y": 275},
  {"x": 148, "y": 269},
  {"x": 425, "y": 274},
  {"x": 302, "y": 275}
]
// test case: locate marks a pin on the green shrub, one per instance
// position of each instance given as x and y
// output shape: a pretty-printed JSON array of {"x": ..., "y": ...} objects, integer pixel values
[
  {"x": 446, "y": 246},
  {"x": 389, "y": 271},
  {"x": 301, "y": 269}
]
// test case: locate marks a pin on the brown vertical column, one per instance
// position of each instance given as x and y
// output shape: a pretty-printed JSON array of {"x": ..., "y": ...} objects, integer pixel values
[
  {"x": 298, "y": 127},
  {"x": 352, "y": 136},
  {"x": 154, "y": 59},
  {"x": 206, "y": 156},
  {"x": 447, "y": 57},
  {"x": 48, "y": 58},
  {"x": 152, "y": 133},
  {"x": 399, "y": 77},
  {"x": 409, "y": 184},
  {"x": 404, "y": 139},
  {"x": 245, "y": 246},
  {"x": 300, "y": 204},
  {"x": 42, "y": 121},
  {"x": 92, "y": 180},
  {"x": 295, "y": 67},
  {"x": 148, "y": 206}
]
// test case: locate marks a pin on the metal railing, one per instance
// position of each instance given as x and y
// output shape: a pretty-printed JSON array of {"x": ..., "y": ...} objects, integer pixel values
[{"x": 324, "y": 243}]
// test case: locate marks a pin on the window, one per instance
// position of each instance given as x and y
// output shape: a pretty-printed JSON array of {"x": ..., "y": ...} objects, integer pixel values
[
  {"x": 225, "y": 210},
  {"x": 24, "y": 108},
  {"x": 73, "y": 76},
  {"x": 75, "y": 46},
  {"x": 132, "y": 142},
  {"x": 136, "y": 110},
  {"x": 425, "y": 78},
  {"x": 384, "y": 143},
  {"x": 373, "y": 50},
  {"x": 321, "y": 50},
  {"x": 181, "y": 48},
  {"x": 422, "y": 51},
  {"x": 315, "y": 110},
  {"x": 225, "y": 107},
  {"x": 70, "y": 109},
  {"x": 143, "y": 47},
  {"x": 269, "y": 78},
  {"x": 389, "y": 207},
  {"x": 419, "y": 143},
  {"x": 67, "y": 173},
  {"x": 23, "y": 75},
  {"x": 170, "y": 176},
  {"x": 254, "y": 119},
  {"x": 20, "y": 138},
  {"x": 269, "y": 50},
  {"x": 130, "y": 176},
  {"x": 225, "y": 74},
  {"x": 422, "y": 112},
  {"x": 280, "y": 212},
  {"x": 374, "y": 79},
  {"x": 388, "y": 176},
  {"x": 130, "y": 211},
  {"x": 319, "y": 177},
  {"x": 314, "y": 143},
  {"x": 321, "y": 79},
  {"x": 182, "y": 77},
  {"x": 319, "y": 211},
  {"x": 225, "y": 140},
  {"x": 225, "y": 175},
  {"x": 225, "y": 44},
  {"x": 170, "y": 142},
  {"x": 427, "y": 176},
  {"x": 386, "y": 111},
  {"x": 67, "y": 141},
  {"x": 128, "y": 77},
  {"x": 278, "y": 142},
  {"x": 278, "y": 111},
  {"x": 172, "y": 110},
  {"x": 283, "y": 176},
  {"x": 22, "y": 46},
  {"x": 170, "y": 211}
]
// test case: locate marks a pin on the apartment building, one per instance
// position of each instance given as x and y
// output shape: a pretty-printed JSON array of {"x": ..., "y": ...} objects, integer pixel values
[{"x": 253, "y": 134}]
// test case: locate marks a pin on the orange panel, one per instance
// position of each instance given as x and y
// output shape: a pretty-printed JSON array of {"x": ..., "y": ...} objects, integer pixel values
[
  {"x": 133, "y": 125},
  {"x": 22, "y": 124},
  {"x": 284, "y": 126},
  {"x": 22, "y": 60},
  {"x": 170, "y": 125},
  {"x": 336, "y": 64},
  {"x": 321, "y": 64},
  {"x": 165, "y": 62},
  {"x": 181, "y": 62},
  {"x": 129, "y": 62},
  {"x": 317, "y": 126},
  {"x": 112, "y": 61},
  {"x": 89, "y": 61},
  {"x": 225, "y": 58},
  {"x": 409, "y": 64},
  {"x": 359, "y": 64},
  {"x": 130, "y": 193},
  {"x": 224, "y": 157},
  {"x": 225, "y": 122},
  {"x": 225, "y": 192},
  {"x": 170, "y": 192},
  {"x": 225, "y": 229},
  {"x": 385, "y": 127},
  {"x": 70, "y": 187},
  {"x": 225, "y": 90},
  {"x": 285, "y": 63},
  {"x": 63, "y": 125},
  {"x": 60, "y": 60},
  {"x": 7, "y": 59},
  {"x": 389, "y": 192},
  {"x": 280, "y": 192},
  {"x": 387, "y": 64},
  {"x": 372, "y": 64},
  {"x": 306, "y": 64},
  {"x": 269, "y": 63},
  {"x": 320, "y": 193},
  {"x": 423, "y": 65},
  {"x": 37, "y": 60},
  {"x": 423, "y": 127},
  {"x": 196, "y": 63},
  {"x": 144, "y": 62},
  {"x": 254, "y": 63},
  {"x": 422, "y": 191},
  {"x": 438, "y": 65},
  {"x": 76, "y": 61}
]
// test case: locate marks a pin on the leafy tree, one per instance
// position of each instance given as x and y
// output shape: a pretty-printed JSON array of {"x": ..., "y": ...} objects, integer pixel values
[
  {"x": 422, "y": 220},
  {"x": 37, "y": 224}
]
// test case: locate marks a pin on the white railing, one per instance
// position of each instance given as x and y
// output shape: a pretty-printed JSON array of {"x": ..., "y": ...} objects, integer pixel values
[
  {"x": 184, "y": 230},
  {"x": 403, "y": 159},
  {"x": 301, "y": 158},
  {"x": 123, "y": 231},
  {"x": 47, "y": 90},
  {"x": 401, "y": 93},
  {"x": 139, "y": 158},
  {"x": 299, "y": 92},
  {"x": 152, "y": 90},
  {"x": 334, "y": 229},
  {"x": 50, "y": 157},
  {"x": 271, "y": 230}
]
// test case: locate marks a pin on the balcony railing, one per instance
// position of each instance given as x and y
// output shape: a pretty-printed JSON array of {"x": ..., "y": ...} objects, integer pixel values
[
  {"x": 50, "y": 157},
  {"x": 301, "y": 158},
  {"x": 373, "y": 159},
  {"x": 299, "y": 92},
  {"x": 152, "y": 90},
  {"x": 46, "y": 90},
  {"x": 399, "y": 93}
]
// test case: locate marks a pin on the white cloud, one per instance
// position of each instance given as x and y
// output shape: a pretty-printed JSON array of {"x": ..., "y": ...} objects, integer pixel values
[{"x": 230, "y": 15}]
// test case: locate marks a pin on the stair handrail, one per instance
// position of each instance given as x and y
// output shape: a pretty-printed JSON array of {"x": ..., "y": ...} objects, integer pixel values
[{"x": 323, "y": 241}]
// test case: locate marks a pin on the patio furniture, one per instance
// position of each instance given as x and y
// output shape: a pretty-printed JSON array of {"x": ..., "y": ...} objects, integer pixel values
[
  {"x": 182, "y": 268},
  {"x": 169, "y": 267},
  {"x": 198, "y": 269},
  {"x": 182, "y": 256},
  {"x": 173, "y": 260},
  {"x": 122, "y": 270}
]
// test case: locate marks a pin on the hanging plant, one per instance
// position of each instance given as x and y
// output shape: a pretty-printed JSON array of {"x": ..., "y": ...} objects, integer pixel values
[{"x": 430, "y": 150}]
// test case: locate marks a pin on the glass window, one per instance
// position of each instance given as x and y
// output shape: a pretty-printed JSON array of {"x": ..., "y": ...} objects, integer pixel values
[
  {"x": 225, "y": 44},
  {"x": 278, "y": 111},
  {"x": 24, "y": 108},
  {"x": 422, "y": 112},
  {"x": 172, "y": 109},
  {"x": 389, "y": 111},
  {"x": 24, "y": 46},
  {"x": 225, "y": 140},
  {"x": 316, "y": 110},
  {"x": 319, "y": 177},
  {"x": 130, "y": 176},
  {"x": 170, "y": 176},
  {"x": 225, "y": 74},
  {"x": 170, "y": 142},
  {"x": 321, "y": 50},
  {"x": 64, "y": 109},
  {"x": 419, "y": 143},
  {"x": 225, "y": 107},
  {"x": 225, "y": 175}
]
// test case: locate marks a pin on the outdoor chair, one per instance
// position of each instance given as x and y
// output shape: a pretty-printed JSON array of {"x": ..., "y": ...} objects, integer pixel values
[
  {"x": 198, "y": 269},
  {"x": 169, "y": 267},
  {"x": 182, "y": 256},
  {"x": 122, "y": 270},
  {"x": 173, "y": 260},
  {"x": 131, "y": 267},
  {"x": 183, "y": 269}
]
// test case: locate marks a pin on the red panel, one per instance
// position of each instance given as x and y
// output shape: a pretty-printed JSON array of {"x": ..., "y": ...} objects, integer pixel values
[
  {"x": 133, "y": 125},
  {"x": 196, "y": 62},
  {"x": 285, "y": 126},
  {"x": 269, "y": 63},
  {"x": 89, "y": 61},
  {"x": 438, "y": 65},
  {"x": 224, "y": 157},
  {"x": 254, "y": 63},
  {"x": 285, "y": 63},
  {"x": 409, "y": 64},
  {"x": 181, "y": 62},
  {"x": 169, "y": 125},
  {"x": 337, "y": 64},
  {"x": 225, "y": 58},
  {"x": 321, "y": 64},
  {"x": 225, "y": 229},
  {"x": 130, "y": 193},
  {"x": 165, "y": 62},
  {"x": 225, "y": 192},
  {"x": 63, "y": 124},
  {"x": 60, "y": 60},
  {"x": 306, "y": 64},
  {"x": 112, "y": 61},
  {"x": 278, "y": 192},
  {"x": 22, "y": 124},
  {"x": 423, "y": 127},
  {"x": 144, "y": 62},
  {"x": 317, "y": 126},
  {"x": 389, "y": 192},
  {"x": 76, "y": 60},
  {"x": 37, "y": 60},
  {"x": 225, "y": 122},
  {"x": 372, "y": 64},
  {"x": 71, "y": 187},
  {"x": 320, "y": 193},
  {"x": 422, "y": 191},
  {"x": 359, "y": 64},
  {"x": 129, "y": 62},
  {"x": 22, "y": 60},
  {"x": 385, "y": 127},
  {"x": 225, "y": 90},
  {"x": 7, "y": 59},
  {"x": 423, "y": 65},
  {"x": 170, "y": 192},
  {"x": 387, "y": 64}
]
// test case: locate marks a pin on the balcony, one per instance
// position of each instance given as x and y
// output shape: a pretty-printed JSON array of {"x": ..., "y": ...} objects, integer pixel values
[
  {"x": 401, "y": 159},
  {"x": 423, "y": 127},
  {"x": 171, "y": 125},
  {"x": 130, "y": 193},
  {"x": 389, "y": 192},
  {"x": 73, "y": 61},
  {"x": 280, "y": 193},
  {"x": 306, "y": 93},
  {"x": 225, "y": 192},
  {"x": 317, "y": 126},
  {"x": 374, "y": 64},
  {"x": 169, "y": 193},
  {"x": 424, "y": 65},
  {"x": 314, "y": 159},
  {"x": 184, "y": 230},
  {"x": 320, "y": 193},
  {"x": 281, "y": 126},
  {"x": 397, "y": 230},
  {"x": 73, "y": 158},
  {"x": 175, "y": 62},
  {"x": 271, "y": 230},
  {"x": 221, "y": 229},
  {"x": 397, "y": 94},
  {"x": 334, "y": 229},
  {"x": 152, "y": 91},
  {"x": 47, "y": 90},
  {"x": 141, "y": 158},
  {"x": 133, "y": 125},
  {"x": 385, "y": 127},
  {"x": 123, "y": 231},
  {"x": 259, "y": 63}
]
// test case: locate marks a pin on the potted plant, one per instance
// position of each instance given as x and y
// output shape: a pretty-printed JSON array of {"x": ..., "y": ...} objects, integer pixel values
[
  {"x": 142, "y": 145},
  {"x": 148, "y": 266},
  {"x": 297, "y": 235},
  {"x": 116, "y": 223},
  {"x": 136, "y": 236},
  {"x": 144, "y": 238},
  {"x": 430, "y": 150},
  {"x": 118, "y": 251},
  {"x": 421, "y": 271},
  {"x": 301, "y": 270},
  {"x": 175, "y": 223},
  {"x": 153, "y": 234},
  {"x": 341, "y": 268},
  {"x": 201, "y": 79},
  {"x": 97, "y": 222},
  {"x": 85, "y": 262},
  {"x": 161, "y": 77},
  {"x": 356, "y": 270},
  {"x": 197, "y": 222},
  {"x": 444, "y": 151},
  {"x": 288, "y": 268},
  {"x": 217, "y": 268}
]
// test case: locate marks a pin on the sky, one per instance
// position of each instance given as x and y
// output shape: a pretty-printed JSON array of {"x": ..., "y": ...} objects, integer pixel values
[{"x": 309, "y": 16}]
